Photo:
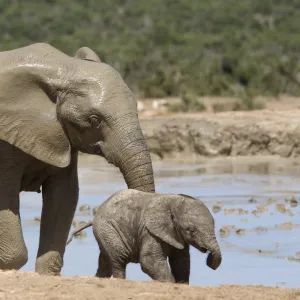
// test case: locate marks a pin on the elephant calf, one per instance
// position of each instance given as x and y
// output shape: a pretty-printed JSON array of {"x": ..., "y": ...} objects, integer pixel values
[{"x": 147, "y": 228}]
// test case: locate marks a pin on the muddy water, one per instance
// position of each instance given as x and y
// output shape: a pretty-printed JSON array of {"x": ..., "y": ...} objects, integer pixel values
[{"x": 257, "y": 220}]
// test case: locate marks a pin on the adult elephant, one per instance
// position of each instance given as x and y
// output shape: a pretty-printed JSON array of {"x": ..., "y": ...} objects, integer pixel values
[{"x": 52, "y": 106}]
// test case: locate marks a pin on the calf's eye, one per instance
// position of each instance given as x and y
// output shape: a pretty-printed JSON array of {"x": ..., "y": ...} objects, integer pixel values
[{"x": 192, "y": 230}]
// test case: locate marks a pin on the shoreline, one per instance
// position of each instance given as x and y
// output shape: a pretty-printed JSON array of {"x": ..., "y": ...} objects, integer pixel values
[{"x": 17, "y": 285}]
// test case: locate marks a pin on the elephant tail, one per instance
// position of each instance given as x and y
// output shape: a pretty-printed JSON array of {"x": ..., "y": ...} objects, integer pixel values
[{"x": 89, "y": 224}]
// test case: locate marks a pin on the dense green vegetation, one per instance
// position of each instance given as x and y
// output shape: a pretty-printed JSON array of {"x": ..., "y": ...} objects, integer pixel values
[{"x": 172, "y": 47}]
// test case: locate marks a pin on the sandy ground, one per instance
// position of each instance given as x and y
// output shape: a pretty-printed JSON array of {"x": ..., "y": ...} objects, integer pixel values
[{"x": 30, "y": 286}]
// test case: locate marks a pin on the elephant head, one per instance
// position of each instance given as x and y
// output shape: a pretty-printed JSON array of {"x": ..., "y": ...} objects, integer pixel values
[
  {"x": 179, "y": 220},
  {"x": 53, "y": 104}
]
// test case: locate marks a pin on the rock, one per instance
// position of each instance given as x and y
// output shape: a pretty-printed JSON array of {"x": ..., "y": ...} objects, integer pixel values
[
  {"x": 241, "y": 211},
  {"x": 281, "y": 208},
  {"x": 289, "y": 213},
  {"x": 82, "y": 223},
  {"x": 265, "y": 252},
  {"x": 261, "y": 208},
  {"x": 95, "y": 210},
  {"x": 224, "y": 233},
  {"x": 285, "y": 226},
  {"x": 270, "y": 201},
  {"x": 292, "y": 201},
  {"x": 80, "y": 235},
  {"x": 85, "y": 208},
  {"x": 228, "y": 211},
  {"x": 240, "y": 231},
  {"x": 261, "y": 229},
  {"x": 75, "y": 223},
  {"x": 298, "y": 253},
  {"x": 255, "y": 213},
  {"x": 37, "y": 219},
  {"x": 252, "y": 200},
  {"x": 292, "y": 258},
  {"x": 216, "y": 208},
  {"x": 244, "y": 220},
  {"x": 226, "y": 230},
  {"x": 79, "y": 224},
  {"x": 287, "y": 199}
]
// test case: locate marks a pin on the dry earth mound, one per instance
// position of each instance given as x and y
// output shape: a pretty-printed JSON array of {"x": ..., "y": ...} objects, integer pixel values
[
  {"x": 255, "y": 133},
  {"x": 31, "y": 286}
]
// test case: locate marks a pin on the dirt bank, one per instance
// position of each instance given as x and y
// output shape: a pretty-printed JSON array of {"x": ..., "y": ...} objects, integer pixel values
[
  {"x": 30, "y": 286},
  {"x": 255, "y": 133}
]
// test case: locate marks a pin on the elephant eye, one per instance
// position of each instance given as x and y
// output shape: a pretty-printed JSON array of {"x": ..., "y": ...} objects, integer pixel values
[
  {"x": 95, "y": 121},
  {"x": 192, "y": 230}
]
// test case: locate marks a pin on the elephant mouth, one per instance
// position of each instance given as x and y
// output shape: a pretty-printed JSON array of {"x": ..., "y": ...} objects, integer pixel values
[
  {"x": 93, "y": 149},
  {"x": 97, "y": 149},
  {"x": 201, "y": 249}
]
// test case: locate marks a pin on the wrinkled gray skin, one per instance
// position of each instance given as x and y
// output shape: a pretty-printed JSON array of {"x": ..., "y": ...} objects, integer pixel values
[
  {"x": 52, "y": 106},
  {"x": 148, "y": 228}
]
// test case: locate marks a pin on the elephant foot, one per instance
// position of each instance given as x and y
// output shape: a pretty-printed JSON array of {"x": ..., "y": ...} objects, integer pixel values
[
  {"x": 157, "y": 270},
  {"x": 49, "y": 264},
  {"x": 13, "y": 252}
]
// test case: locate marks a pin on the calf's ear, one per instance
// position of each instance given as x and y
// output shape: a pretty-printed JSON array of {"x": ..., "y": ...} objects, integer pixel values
[{"x": 159, "y": 222}]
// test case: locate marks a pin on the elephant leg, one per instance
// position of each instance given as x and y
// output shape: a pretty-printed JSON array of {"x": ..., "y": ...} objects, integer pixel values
[
  {"x": 13, "y": 251},
  {"x": 114, "y": 262},
  {"x": 60, "y": 197},
  {"x": 153, "y": 259},
  {"x": 119, "y": 270},
  {"x": 179, "y": 261},
  {"x": 111, "y": 245},
  {"x": 104, "y": 266}
]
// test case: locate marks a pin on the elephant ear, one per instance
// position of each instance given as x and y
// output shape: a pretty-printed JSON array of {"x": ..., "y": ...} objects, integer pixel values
[
  {"x": 28, "y": 121},
  {"x": 87, "y": 54},
  {"x": 159, "y": 222}
]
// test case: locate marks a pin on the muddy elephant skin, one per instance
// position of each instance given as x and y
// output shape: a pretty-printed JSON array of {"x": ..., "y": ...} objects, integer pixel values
[
  {"x": 51, "y": 107},
  {"x": 149, "y": 228}
]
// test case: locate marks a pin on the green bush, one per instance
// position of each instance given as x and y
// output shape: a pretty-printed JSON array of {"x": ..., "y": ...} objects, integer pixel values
[
  {"x": 249, "y": 102},
  {"x": 189, "y": 102},
  {"x": 162, "y": 47}
]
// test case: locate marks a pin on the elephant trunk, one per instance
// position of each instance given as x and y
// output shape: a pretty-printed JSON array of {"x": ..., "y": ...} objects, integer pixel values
[
  {"x": 137, "y": 170},
  {"x": 214, "y": 258},
  {"x": 131, "y": 155}
]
